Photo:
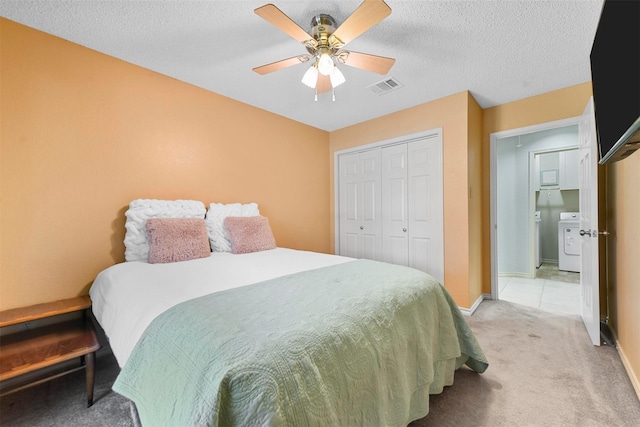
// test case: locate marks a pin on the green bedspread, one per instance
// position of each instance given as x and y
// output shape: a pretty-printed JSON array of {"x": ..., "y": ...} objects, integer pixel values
[{"x": 362, "y": 343}]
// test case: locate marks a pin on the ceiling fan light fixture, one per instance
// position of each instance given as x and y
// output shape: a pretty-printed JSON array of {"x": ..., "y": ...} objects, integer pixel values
[
  {"x": 324, "y": 44},
  {"x": 336, "y": 77},
  {"x": 310, "y": 77},
  {"x": 325, "y": 64}
]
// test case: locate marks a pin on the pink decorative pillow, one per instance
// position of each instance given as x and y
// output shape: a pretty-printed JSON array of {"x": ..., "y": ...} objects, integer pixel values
[
  {"x": 249, "y": 234},
  {"x": 177, "y": 239}
]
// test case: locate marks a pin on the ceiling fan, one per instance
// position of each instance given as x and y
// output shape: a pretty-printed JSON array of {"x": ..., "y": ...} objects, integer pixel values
[{"x": 325, "y": 44}]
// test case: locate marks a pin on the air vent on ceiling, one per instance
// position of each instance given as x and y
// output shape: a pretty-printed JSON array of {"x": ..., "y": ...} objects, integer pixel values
[{"x": 385, "y": 86}]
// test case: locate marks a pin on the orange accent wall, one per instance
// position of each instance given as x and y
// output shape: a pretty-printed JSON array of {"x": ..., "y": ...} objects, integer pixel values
[
  {"x": 623, "y": 205},
  {"x": 82, "y": 134},
  {"x": 476, "y": 176},
  {"x": 452, "y": 115}
]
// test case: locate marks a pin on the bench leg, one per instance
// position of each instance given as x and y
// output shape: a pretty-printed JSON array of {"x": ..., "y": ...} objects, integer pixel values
[{"x": 90, "y": 367}]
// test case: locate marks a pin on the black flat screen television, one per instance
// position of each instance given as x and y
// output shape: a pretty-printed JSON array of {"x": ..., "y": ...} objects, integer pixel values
[{"x": 615, "y": 78}]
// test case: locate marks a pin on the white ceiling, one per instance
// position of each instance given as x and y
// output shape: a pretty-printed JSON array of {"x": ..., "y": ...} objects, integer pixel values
[{"x": 500, "y": 51}]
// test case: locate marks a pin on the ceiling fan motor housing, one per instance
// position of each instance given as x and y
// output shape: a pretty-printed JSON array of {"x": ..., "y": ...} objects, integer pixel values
[{"x": 322, "y": 26}]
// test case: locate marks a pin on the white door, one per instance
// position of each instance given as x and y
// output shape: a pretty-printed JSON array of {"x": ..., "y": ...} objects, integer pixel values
[
  {"x": 395, "y": 242},
  {"x": 359, "y": 192},
  {"x": 412, "y": 196},
  {"x": 425, "y": 206},
  {"x": 589, "y": 273},
  {"x": 389, "y": 202}
]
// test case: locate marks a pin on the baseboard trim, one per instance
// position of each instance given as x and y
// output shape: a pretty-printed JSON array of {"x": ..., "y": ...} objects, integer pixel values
[
  {"x": 635, "y": 381},
  {"x": 470, "y": 311},
  {"x": 515, "y": 274}
]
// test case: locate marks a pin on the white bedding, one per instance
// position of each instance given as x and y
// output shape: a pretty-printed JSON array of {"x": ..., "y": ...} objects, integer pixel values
[{"x": 126, "y": 297}]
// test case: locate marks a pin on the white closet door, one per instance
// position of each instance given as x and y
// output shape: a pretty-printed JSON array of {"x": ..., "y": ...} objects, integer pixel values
[
  {"x": 360, "y": 226},
  {"x": 390, "y": 203},
  {"x": 425, "y": 206},
  {"x": 395, "y": 242},
  {"x": 349, "y": 220}
]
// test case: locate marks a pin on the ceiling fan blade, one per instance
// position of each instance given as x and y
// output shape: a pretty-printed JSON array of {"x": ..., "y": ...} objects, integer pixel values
[
  {"x": 323, "y": 84},
  {"x": 276, "y": 17},
  {"x": 368, "y": 14},
  {"x": 279, "y": 65},
  {"x": 374, "y": 63}
]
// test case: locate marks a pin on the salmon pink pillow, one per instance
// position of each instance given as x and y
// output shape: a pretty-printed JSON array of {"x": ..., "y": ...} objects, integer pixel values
[
  {"x": 249, "y": 234},
  {"x": 136, "y": 244},
  {"x": 177, "y": 239}
]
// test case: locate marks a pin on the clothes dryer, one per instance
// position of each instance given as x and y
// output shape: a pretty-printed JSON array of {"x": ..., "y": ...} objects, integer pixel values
[{"x": 569, "y": 241}]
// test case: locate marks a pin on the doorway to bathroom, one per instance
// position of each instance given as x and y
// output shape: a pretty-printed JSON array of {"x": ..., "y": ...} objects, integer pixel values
[{"x": 536, "y": 173}]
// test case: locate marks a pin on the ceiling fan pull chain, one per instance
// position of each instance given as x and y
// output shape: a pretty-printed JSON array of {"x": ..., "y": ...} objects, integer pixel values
[
  {"x": 316, "y": 98},
  {"x": 333, "y": 95}
]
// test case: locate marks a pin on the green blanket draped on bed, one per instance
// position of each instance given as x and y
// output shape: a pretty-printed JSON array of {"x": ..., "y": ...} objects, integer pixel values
[{"x": 360, "y": 343}]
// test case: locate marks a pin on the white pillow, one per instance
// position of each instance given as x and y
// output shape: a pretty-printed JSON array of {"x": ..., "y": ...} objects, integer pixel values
[
  {"x": 140, "y": 210},
  {"x": 216, "y": 214}
]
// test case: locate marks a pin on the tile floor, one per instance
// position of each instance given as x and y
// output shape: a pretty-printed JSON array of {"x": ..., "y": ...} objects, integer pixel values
[{"x": 552, "y": 290}]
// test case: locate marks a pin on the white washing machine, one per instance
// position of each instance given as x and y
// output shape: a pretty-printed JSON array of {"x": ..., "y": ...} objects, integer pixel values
[{"x": 569, "y": 241}]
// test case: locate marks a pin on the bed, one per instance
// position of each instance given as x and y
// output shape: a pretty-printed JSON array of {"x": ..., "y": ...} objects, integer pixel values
[{"x": 280, "y": 337}]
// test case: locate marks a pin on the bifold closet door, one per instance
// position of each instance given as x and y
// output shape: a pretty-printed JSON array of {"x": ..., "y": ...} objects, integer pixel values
[
  {"x": 395, "y": 232},
  {"x": 425, "y": 202},
  {"x": 390, "y": 204},
  {"x": 359, "y": 210},
  {"x": 412, "y": 205}
]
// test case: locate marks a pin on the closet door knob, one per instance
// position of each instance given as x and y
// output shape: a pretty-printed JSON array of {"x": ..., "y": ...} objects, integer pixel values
[
  {"x": 404, "y": 229},
  {"x": 361, "y": 227}
]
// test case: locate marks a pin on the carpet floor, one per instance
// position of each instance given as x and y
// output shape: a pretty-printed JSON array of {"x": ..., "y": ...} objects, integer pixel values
[{"x": 543, "y": 372}]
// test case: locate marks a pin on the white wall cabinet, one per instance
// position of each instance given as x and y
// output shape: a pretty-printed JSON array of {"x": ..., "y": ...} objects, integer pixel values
[
  {"x": 569, "y": 169},
  {"x": 394, "y": 215},
  {"x": 564, "y": 163}
]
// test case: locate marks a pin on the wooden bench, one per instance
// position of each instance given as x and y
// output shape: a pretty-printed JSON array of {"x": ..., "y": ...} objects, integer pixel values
[{"x": 41, "y": 336}]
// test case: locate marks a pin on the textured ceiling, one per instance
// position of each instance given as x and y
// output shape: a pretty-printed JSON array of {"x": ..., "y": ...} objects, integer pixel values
[{"x": 500, "y": 51}]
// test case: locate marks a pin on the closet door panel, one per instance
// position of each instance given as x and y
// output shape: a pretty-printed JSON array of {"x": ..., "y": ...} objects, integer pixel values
[
  {"x": 369, "y": 208},
  {"x": 398, "y": 202},
  {"x": 351, "y": 201},
  {"x": 396, "y": 250},
  {"x": 370, "y": 221},
  {"x": 359, "y": 209},
  {"x": 422, "y": 255},
  {"x": 370, "y": 246},
  {"x": 395, "y": 247},
  {"x": 349, "y": 245},
  {"x": 349, "y": 182},
  {"x": 425, "y": 207}
]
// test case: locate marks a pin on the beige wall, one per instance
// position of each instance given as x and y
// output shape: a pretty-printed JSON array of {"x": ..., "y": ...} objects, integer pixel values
[
  {"x": 623, "y": 207},
  {"x": 82, "y": 134},
  {"x": 451, "y": 114}
]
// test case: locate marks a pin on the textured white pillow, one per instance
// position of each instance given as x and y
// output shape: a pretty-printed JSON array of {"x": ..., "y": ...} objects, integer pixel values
[
  {"x": 140, "y": 210},
  {"x": 216, "y": 214}
]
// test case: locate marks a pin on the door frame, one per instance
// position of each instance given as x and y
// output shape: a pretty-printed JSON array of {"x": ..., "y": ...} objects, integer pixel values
[
  {"x": 494, "y": 137},
  {"x": 532, "y": 200},
  {"x": 427, "y": 134}
]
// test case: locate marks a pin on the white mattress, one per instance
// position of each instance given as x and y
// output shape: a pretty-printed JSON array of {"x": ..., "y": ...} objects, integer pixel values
[{"x": 126, "y": 297}]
